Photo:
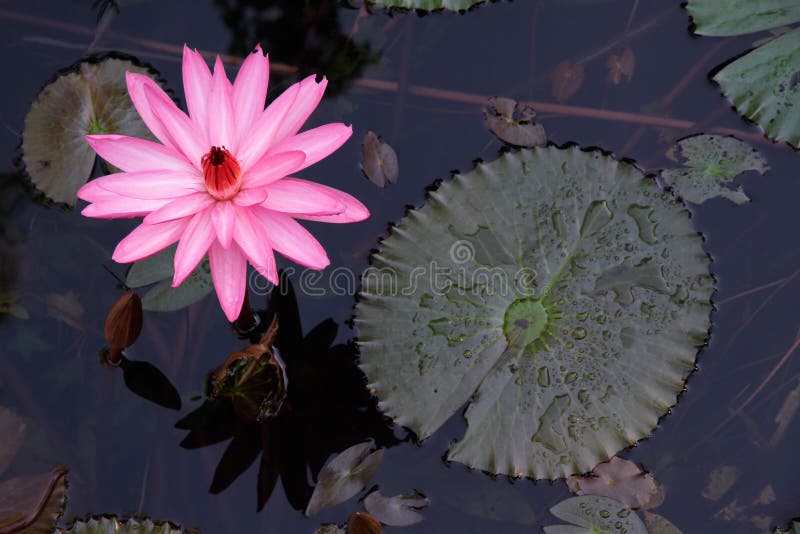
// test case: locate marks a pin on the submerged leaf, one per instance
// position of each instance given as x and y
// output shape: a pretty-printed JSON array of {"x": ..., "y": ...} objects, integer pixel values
[
  {"x": 720, "y": 481},
  {"x": 657, "y": 524},
  {"x": 737, "y": 17},
  {"x": 66, "y": 308},
  {"x": 89, "y": 98},
  {"x": 794, "y": 528},
  {"x": 378, "y": 161},
  {"x": 620, "y": 66},
  {"x": 428, "y": 5},
  {"x": 344, "y": 476},
  {"x": 512, "y": 122},
  {"x": 111, "y": 525},
  {"x": 712, "y": 162},
  {"x": 147, "y": 381},
  {"x": 783, "y": 418},
  {"x": 620, "y": 480},
  {"x": 397, "y": 511},
  {"x": 33, "y": 503},
  {"x": 592, "y": 514},
  {"x": 12, "y": 429},
  {"x": 569, "y": 298},
  {"x": 567, "y": 79},
  {"x": 764, "y": 86}
]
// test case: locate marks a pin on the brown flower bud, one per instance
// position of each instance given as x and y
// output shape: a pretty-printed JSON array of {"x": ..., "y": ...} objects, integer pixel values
[
  {"x": 124, "y": 322},
  {"x": 363, "y": 523}
]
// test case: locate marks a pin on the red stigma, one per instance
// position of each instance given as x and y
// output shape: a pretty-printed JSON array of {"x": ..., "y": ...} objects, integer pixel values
[{"x": 222, "y": 173}]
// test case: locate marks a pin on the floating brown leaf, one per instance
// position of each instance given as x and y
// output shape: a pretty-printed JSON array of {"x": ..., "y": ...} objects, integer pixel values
[
  {"x": 720, "y": 481},
  {"x": 567, "y": 79},
  {"x": 397, "y": 511},
  {"x": 66, "y": 308},
  {"x": 124, "y": 321},
  {"x": 344, "y": 476},
  {"x": 379, "y": 161},
  {"x": 363, "y": 523},
  {"x": 620, "y": 66},
  {"x": 33, "y": 502},
  {"x": 12, "y": 430},
  {"x": 512, "y": 122},
  {"x": 620, "y": 480}
]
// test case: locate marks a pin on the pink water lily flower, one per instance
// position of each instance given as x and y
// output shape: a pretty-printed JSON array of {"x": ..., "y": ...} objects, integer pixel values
[{"x": 218, "y": 182}]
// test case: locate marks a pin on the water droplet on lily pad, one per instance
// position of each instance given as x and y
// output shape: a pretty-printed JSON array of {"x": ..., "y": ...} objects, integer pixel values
[
  {"x": 91, "y": 97},
  {"x": 574, "y": 346},
  {"x": 591, "y": 514}
]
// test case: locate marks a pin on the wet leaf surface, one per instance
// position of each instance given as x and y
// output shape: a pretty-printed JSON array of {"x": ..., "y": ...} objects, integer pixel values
[
  {"x": 147, "y": 381},
  {"x": 12, "y": 429},
  {"x": 737, "y": 17},
  {"x": 396, "y": 511},
  {"x": 512, "y": 122},
  {"x": 620, "y": 66},
  {"x": 88, "y": 98},
  {"x": 343, "y": 477},
  {"x": 611, "y": 266},
  {"x": 783, "y": 418},
  {"x": 566, "y": 80},
  {"x": 33, "y": 503},
  {"x": 620, "y": 480},
  {"x": 591, "y": 515},
  {"x": 711, "y": 163},
  {"x": 378, "y": 160}
]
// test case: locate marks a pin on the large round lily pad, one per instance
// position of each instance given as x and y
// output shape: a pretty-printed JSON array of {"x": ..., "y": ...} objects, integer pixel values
[
  {"x": 561, "y": 293},
  {"x": 88, "y": 98}
]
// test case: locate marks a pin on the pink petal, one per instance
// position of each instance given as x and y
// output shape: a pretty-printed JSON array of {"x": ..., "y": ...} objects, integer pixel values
[
  {"x": 259, "y": 138},
  {"x": 147, "y": 239},
  {"x": 193, "y": 245},
  {"x": 196, "y": 86},
  {"x": 317, "y": 143},
  {"x": 132, "y": 154},
  {"x": 229, "y": 272},
  {"x": 108, "y": 205},
  {"x": 273, "y": 167},
  {"x": 223, "y": 217},
  {"x": 137, "y": 83},
  {"x": 181, "y": 207},
  {"x": 292, "y": 240},
  {"x": 250, "y": 90},
  {"x": 250, "y": 197},
  {"x": 255, "y": 243},
  {"x": 222, "y": 120},
  {"x": 151, "y": 184},
  {"x": 354, "y": 210},
  {"x": 186, "y": 137},
  {"x": 296, "y": 196},
  {"x": 307, "y": 101}
]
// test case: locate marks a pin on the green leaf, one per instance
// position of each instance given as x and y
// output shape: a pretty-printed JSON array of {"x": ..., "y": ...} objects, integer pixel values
[
  {"x": 154, "y": 269},
  {"x": 428, "y": 5},
  {"x": 111, "y": 525},
  {"x": 764, "y": 86},
  {"x": 160, "y": 268},
  {"x": 736, "y": 17},
  {"x": 560, "y": 293},
  {"x": 88, "y": 98},
  {"x": 592, "y": 515},
  {"x": 712, "y": 162},
  {"x": 794, "y": 528}
]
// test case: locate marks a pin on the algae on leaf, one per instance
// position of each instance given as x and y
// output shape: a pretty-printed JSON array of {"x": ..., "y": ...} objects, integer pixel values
[
  {"x": 712, "y": 162},
  {"x": 560, "y": 293},
  {"x": 90, "y": 98}
]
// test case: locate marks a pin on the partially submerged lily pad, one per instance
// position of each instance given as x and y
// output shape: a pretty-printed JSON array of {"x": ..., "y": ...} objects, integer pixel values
[
  {"x": 711, "y": 164},
  {"x": 512, "y": 122},
  {"x": 428, "y": 5},
  {"x": 159, "y": 269},
  {"x": 592, "y": 515},
  {"x": 621, "y": 480},
  {"x": 103, "y": 524},
  {"x": 88, "y": 98},
  {"x": 344, "y": 476},
  {"x": 567, "y": 311},
  {"x": 397, "y": 511},
  {"x": 33, "y": 503}
]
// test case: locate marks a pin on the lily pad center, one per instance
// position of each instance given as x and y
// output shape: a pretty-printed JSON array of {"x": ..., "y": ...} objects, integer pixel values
[{"x": 525, "y": 321}]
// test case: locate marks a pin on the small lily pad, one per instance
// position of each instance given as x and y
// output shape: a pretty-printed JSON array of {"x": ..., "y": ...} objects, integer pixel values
[
  {"x": 33, "y": 503},
  {"x": 344, "y": 476},
  {"x": 90, "y": 97},
  {"x": 737, "y": 17},
  {"x": 620, "y": 480},
  {"x": 159, "y": 269},
  {"x": 103, "y": 524},
  {"x": 592, "y": 515},
  {"x": 559, "y": 293},
  {"x": 12, "y": 428},
  {"x": 428, "y": 5},
  {"x": 512, "y": 122},
  {"x": 379, "y": 160},
  {"x": 711, "y": 164},
  {"x": 397, "y": 511}
]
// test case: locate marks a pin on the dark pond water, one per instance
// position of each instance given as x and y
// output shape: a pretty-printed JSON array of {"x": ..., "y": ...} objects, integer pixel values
[{"x": 123, "y": 452}]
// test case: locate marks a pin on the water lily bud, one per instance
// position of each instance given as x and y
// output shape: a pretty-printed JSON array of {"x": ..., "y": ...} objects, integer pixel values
[
  {"x": 124, "y": 322},
  {"x": 363, "y": 523}
]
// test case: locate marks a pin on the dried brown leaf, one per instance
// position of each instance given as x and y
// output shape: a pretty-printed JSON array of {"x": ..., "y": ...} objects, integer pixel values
[
  {"x": 363, "y": 523},
  {"x": 620, "y": 480},
  {"x": 379, "y": 161},
  {"x": 512, "y": 122},
  {"x": 567, "y": 79},
  {"x": 620, "y": 66}
]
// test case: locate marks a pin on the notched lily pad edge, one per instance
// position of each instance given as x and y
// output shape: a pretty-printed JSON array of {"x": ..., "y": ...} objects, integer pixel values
[
  {"x": 434, "y": 186},
  {"x": 19, "y": 168},
  {"x": 398, "y": 10}
]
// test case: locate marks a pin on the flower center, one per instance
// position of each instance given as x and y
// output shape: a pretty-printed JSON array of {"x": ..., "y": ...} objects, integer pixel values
[{"x": 222, "y": 173}]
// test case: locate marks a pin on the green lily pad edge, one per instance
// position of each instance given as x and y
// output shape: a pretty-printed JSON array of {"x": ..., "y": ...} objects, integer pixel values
[
  {"x": 105, "y": 524},
  {"x": 424, "y": 6}
]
